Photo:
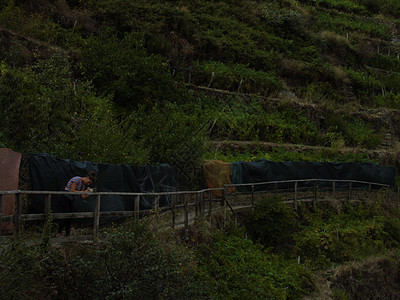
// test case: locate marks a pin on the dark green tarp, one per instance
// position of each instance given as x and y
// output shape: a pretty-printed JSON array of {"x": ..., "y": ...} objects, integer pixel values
[
  {"x": 52, "y": 174},
  {"x": 265, "y": 171}
]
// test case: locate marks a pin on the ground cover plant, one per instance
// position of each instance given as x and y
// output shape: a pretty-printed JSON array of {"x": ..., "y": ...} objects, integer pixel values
[
  {"x": 132, "y": 63},
  {"x": 141, "y": 82},
  {"x": 277, "y": 258}
]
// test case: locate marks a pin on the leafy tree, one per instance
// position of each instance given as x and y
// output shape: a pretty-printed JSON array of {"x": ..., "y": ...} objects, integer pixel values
[{"x": 123, "y": 68}]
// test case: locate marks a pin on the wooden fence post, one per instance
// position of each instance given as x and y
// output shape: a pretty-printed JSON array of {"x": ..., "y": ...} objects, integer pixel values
[
  {"x": 224, "y": 205},
  {"x": 210, "y": 205},
  {"x": 17, "y": 215},
  {"x": 350, "y": 189},
  {"x": 137, "y": 206},
  {"x": 398, "y": 197},
  {"x": 96, "y": 219},
  {"x": 196, "y": 205},
  {"x": 185, "y": 199},
  {"x": 173, "y": 211},
  {"x": 252, "y": 197},
  {"x": 47, "y": 204},
  {"x": 333, "y": 189},
  {"x": 156, "y": 203},
  {"x": 47, "y": 210},
  {"x": 369, "y": 191},
  {"x": 295, "y": 195},
  {"x": 315, "y": 194}
]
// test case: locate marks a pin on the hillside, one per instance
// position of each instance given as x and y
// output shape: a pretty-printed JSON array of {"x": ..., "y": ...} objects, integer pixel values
[{"x": 145, "y": 82}]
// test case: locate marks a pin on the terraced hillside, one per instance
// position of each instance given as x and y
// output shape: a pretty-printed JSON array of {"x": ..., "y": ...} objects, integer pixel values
[{"x": 147, "y": 81}]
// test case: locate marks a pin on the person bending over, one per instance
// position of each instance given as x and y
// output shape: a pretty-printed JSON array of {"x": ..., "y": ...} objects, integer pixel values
[{"x": 76, "y": 184}]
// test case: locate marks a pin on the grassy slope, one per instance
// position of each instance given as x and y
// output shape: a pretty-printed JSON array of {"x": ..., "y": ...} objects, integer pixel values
[{"x": 332, "y": 66}]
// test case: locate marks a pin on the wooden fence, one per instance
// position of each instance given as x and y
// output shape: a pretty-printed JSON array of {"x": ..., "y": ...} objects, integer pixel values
[{"x": 190, "y": 204}]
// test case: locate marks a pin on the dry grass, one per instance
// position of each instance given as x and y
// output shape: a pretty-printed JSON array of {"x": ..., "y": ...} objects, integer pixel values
[{"x": 374, "y": 278}]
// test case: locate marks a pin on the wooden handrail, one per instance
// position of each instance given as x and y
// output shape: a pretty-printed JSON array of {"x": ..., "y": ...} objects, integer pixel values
[{"x": 199, "y": 204}]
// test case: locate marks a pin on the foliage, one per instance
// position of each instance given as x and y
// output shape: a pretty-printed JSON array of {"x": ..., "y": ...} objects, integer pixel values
[
  {"x": 133, "y": 77},
  {"x": 61, "y": 116},
  {"x": 38, "y": 26},
  {"x": 130, "y": 263},
  {"x": 169, "y": 132},
  {"x": 240, "y": 269},
  {"x": 237, "y": 78},
  {"x": 272, "y": 223},
  {"x": 343, "y": 23},
  {"x": 373, "y": 278},
  {"x": 18, "y": 263},
  {"x": 282, "y": 154},
  {"x": 238, "y": 120},
  {"x": 358, "y": 232},
  {"x": 355, "y": 132}
]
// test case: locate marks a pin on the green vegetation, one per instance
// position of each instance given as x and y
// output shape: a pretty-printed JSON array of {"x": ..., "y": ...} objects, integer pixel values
[
  {"x": 138, "y": 259},
  {"x": 138, "y": 82},
  {"x": 80, "y": 73}
]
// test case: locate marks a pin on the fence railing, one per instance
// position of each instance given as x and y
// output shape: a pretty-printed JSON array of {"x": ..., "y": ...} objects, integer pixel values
[
  {"x": 200, "y": 202},
  {"x": 184, "y": 205}
]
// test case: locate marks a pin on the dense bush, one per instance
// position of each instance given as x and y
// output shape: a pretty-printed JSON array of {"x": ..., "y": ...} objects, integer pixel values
[
  {"x": 130, "y": 263},
  {"x": 272, "y": 223},
  {"x": 357, "y": 232},
  {"x": 240, "y": 269},
  {"x": 133, "y": 76},
  {"x": 44, "y": 109}
]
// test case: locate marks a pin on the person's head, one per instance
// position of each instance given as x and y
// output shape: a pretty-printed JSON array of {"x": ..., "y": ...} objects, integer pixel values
[{"x": 90, "y": 179}]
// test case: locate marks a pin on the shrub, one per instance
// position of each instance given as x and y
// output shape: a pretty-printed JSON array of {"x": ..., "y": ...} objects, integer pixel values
[
  {"x": 351, "y": 235},
  {"x": 272, "y": 223},
  {"x": 131, "y": 263},
  {"x": 124, "y": 69},
  {"x": 240, "y": 269}
]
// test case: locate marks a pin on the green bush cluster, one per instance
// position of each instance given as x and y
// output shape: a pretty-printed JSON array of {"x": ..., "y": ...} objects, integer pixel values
[
  {"x": 130, "y": 263},
  {"x": 358, "y": 231},
  {"x": 272, "y": 223},
  {"x": 320, "y": 236},
  {"x": 123, "y": 81},
  {"x": 45, "y": 109},
  {"x": 241, "y": 269}
]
